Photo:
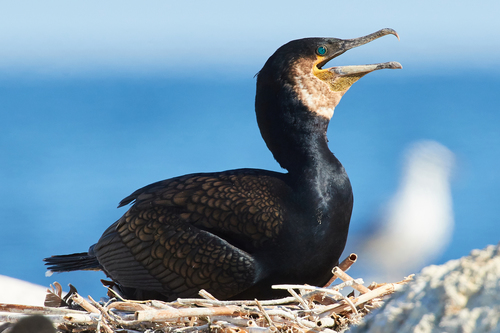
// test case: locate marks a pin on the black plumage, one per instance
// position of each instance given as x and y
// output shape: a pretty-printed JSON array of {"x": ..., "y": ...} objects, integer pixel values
[{"x": 237, "y": 232}]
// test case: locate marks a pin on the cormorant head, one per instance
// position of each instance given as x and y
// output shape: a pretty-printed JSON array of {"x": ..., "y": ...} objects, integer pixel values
[
  {"x": 298, "y": 66},
  {"x": 296, "y": 96}
]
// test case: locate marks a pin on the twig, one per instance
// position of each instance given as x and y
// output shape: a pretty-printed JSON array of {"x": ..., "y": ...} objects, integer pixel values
[
  {"x": 163, "y": 315},
  {"x": 126, "y": 306},
  {"x": 344, "y": 266},
  {"x": 269, "y": 321},
  {"x": 299, "y": 299},
  {"x": 205, "y": 294},
  {"x": 204, "y": 302},
  {"x": 195, "y": 329},
  {"x": 104, "y": 314},
  {"x": 92, "y": 309},
  {"x": 386, "y": 289},
  {"x": 74, "y": 318},
  {"x": 79, "y": 300},
  {"x": 345, "y": 277},
  {"x": 32, "y": 309},
  {"x": 117, "y": 295},
  {"x": 295, "y": 286},
  {"x": 353, "y": 307},
  {"x": 348, "y": 262}
]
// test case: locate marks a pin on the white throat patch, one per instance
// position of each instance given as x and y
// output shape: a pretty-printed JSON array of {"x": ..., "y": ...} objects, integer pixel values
[{"x": 313, "y": 92}]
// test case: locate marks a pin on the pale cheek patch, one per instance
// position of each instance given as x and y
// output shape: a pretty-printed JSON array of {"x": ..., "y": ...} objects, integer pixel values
[{"x": 314, "y": 93}]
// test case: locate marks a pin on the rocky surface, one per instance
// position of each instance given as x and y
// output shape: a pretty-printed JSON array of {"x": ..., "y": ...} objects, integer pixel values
[{"x": 460, "y": 296}]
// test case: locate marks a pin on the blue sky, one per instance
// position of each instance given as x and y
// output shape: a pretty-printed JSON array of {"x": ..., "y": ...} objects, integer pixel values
[{"x": 87, "y": 37}]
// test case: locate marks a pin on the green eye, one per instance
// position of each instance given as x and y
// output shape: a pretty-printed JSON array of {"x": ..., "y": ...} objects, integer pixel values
[{"x": 321, "y": 50}]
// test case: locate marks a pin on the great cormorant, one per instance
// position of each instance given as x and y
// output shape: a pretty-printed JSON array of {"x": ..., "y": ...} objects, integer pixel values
[{"x": 237, "y": 232}]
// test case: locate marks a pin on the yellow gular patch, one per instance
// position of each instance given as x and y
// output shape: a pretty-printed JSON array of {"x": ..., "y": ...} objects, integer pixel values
[
  {"x": 337, "y": 83},
  {"x": 343, "y": 83}
]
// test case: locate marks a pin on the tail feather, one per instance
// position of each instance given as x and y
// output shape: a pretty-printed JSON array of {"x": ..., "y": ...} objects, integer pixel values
[{"x": 72, "y": 262}]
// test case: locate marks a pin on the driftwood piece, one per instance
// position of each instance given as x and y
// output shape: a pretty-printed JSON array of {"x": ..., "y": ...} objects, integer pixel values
[{"x": 308, "y": 309}]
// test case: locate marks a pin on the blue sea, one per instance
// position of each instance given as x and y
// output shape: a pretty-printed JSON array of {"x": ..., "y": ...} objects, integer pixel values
[{"x": 73, "y": 147}]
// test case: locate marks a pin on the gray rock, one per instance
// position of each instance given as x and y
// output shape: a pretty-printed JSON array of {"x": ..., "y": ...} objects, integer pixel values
[{"x": 460, "y": 296}]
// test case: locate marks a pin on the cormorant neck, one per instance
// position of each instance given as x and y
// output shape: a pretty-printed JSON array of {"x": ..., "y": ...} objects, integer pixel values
[
  {"x": 294, "y": 134},
  {"x": 304, "y": 149}
]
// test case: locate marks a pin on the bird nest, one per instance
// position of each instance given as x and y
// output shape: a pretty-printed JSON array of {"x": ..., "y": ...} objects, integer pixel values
[{"x": 307, "y": 309}]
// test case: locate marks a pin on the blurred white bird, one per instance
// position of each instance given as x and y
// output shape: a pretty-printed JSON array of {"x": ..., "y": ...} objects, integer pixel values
[{"x": 416, "y": 224}]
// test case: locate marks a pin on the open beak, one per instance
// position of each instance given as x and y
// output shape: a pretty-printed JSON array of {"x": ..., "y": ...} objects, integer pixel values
[
  {"x": 340, "y": 78},
  {"x": 357, "y": 69}
]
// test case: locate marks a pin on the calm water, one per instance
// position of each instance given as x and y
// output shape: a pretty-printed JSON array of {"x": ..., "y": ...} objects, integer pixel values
[{"x": 72, "y": 149}]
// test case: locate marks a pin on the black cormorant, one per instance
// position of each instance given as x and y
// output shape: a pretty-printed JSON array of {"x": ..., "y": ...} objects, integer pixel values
[{"x": 237, "y": 232}]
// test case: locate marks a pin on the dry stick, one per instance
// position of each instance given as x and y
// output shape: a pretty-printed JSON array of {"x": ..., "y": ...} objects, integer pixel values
[
  {"x": 203, "y": 302},
  {"x": 131, "y": 301},
  {"x": 346, "y": 284},
  {"x": 79, "y": 300},
  {"x": 164, "y": 315},
  {"x": 73, "y": 318},
  {"x": 230, "y": 327},
  {"x": 269, "y": 321},
  {"x": 104, "y": 314},
  {"x": 299, "y": 299},
  {"x": 160, "y": 304},
  {"x": 344, "y": 265},
  {"x": 32, "y": 309},
  {"x": 345, "y": 277},
  {"x": 293, "y": 317},
  {"x": 239, "y": 321},
  {"x": 386, "y": 289},
  {"x": 251, "y": 329},
  {"x": 205, "y": 294},
  {"x": 117, "y": 295},
  {"x": 101, "y": 309},
  {"x": 126, "y": 306},
  {"x": 318, "y": 295},
  {"x": 347, "y": 262},
  {"x": 297, "y": 286},
  {"x": 195, "y": 329},
  {"x": 351, "y": 304},
  {"x": 282, "y": 312},
  {"x": 92, "y": 309}
]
